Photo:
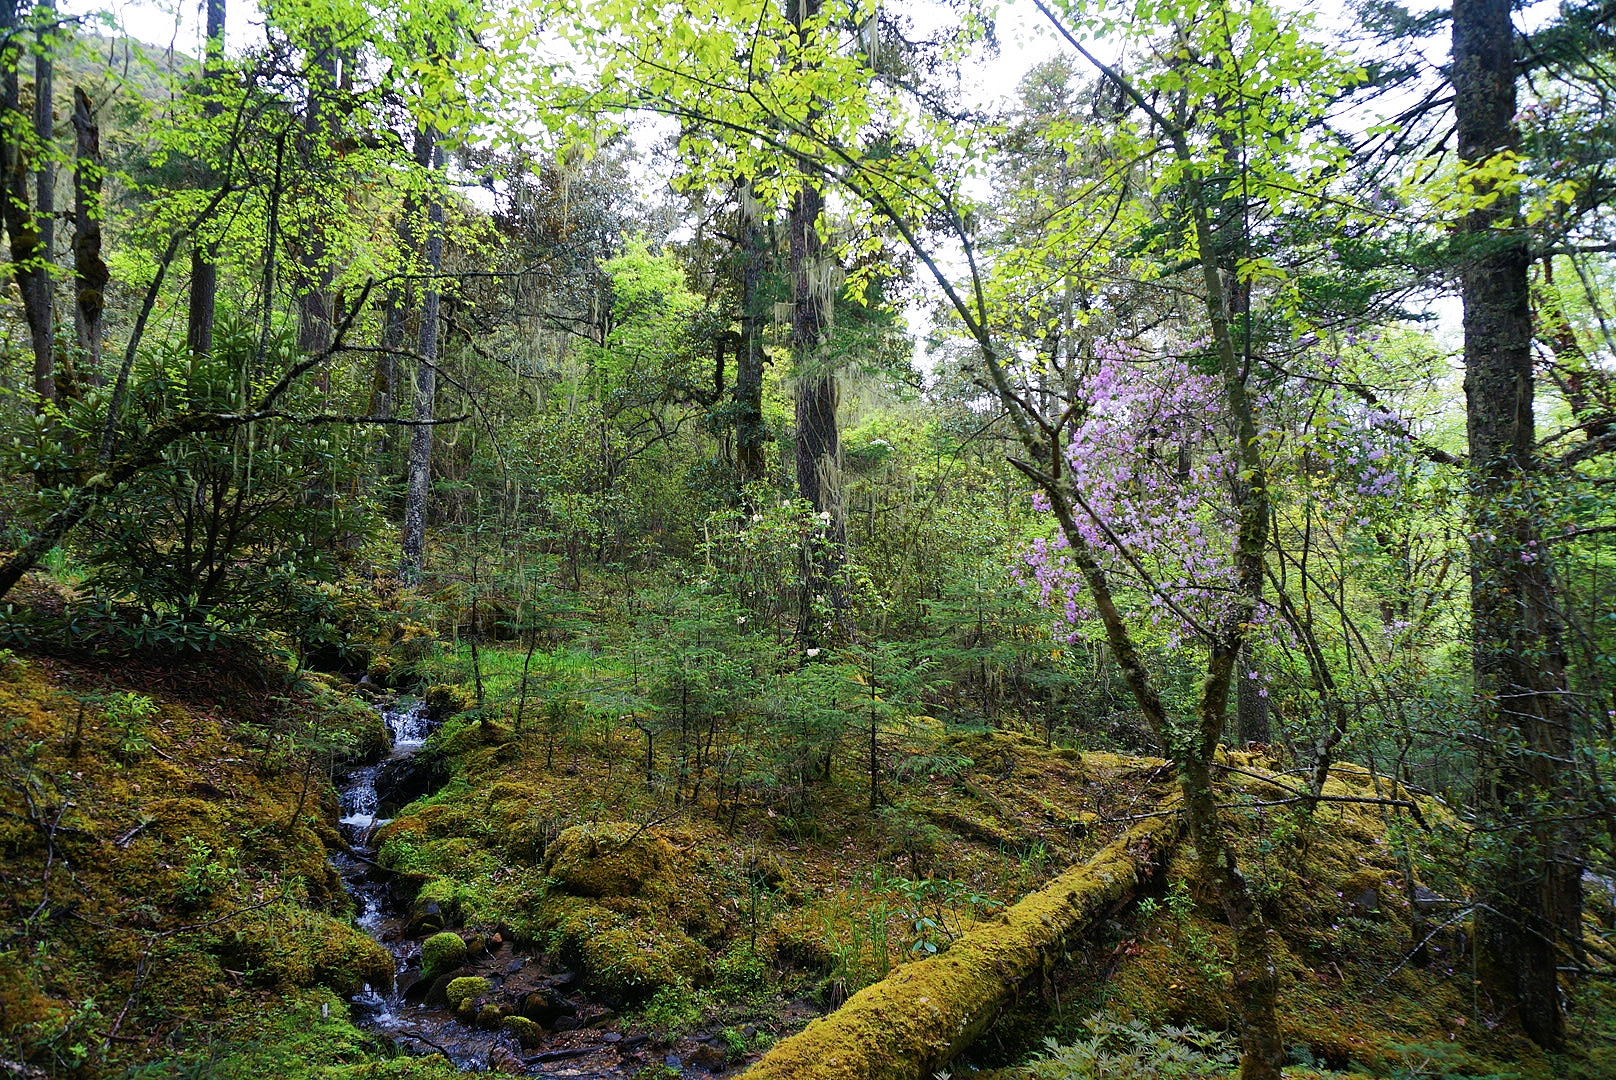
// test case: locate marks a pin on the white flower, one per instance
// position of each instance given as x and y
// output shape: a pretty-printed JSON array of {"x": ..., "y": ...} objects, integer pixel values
[{"x": 812, "y": 653}]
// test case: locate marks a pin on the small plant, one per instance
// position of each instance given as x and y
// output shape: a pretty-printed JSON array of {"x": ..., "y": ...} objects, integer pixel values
[
  {"x": 672, "y": 1011},
  {"x": 127, "y": 715},
  {"x": 1117, "y": 1050},
  {"x": 203, "y": 874}
]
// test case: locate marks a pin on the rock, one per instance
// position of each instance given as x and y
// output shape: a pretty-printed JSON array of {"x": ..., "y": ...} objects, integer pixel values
[
  {"x": 526, "y": 1031},
  {"x": 502, "y": 1059},
  {"x": 465, "y": 991},
  {"x": 673, "y": 1061},
  {"x": 489, "y": 1017},
  {"x": 709, "y": 1059},
  {"x": 441, "y": 953},
  {"x": 1427, "y": 902},
  {"x": 567, "y": 1023},
  {"x": 445, "y": 699},
  {"x": 1368, "y": 900},
  {"x": 544, "y": 1007},
  {"x": 427, "y": 918},
  {"x": 611, "y": 859},
  {"x": 514, "y": 966},
  {"x": 612, "y": 1037}
]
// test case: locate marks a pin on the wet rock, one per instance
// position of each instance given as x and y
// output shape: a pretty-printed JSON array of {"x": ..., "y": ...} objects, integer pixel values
[
  {"x": 612, "y": 1037},
  {"x": 490, "y": 1017},
  {"x": 546, "y": 1008},
  {"x": 502, "y": 1059},
  {"x": 514, "y": 966},
  {"x": 567, "y": 1023},
  {"x": 400, "y": 781},
  {"x": 708, "y": 1059}
]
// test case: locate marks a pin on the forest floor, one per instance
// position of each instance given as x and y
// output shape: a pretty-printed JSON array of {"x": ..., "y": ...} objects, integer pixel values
[{"x": 172, "y": 910}]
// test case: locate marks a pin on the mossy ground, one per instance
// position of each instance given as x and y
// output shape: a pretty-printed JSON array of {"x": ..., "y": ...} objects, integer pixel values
[
  {"x": 167, "y": 895},
  {"x": 827, "y": 901},
  {"x": 189, "y": 917}
]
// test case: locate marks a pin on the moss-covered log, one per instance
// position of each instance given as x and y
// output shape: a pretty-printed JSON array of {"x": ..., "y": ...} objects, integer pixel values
[{"x": 915, "y": 1021}]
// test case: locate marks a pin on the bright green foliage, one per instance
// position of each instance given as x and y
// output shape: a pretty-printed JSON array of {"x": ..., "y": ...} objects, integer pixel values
[{"x": 1132, "y": 1050}]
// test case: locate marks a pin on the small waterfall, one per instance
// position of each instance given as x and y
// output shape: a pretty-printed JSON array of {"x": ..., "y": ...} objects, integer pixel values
[{"x": 408, "y": 726}]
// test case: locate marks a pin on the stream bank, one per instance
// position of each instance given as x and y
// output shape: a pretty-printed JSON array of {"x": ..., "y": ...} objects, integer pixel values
[{"x": 529, "y": 1020}]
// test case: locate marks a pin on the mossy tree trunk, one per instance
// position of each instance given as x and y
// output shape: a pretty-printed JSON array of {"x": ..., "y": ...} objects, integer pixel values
[{"x": 919, "y": 1018}]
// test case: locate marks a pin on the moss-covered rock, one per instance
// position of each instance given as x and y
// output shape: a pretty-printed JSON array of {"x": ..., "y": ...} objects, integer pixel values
[
  {"x": 611, "y": 859},
  {"x": 526, "y": 1031},
  {"x": 445, "y": 699},
  {"x": 628, "y": 956},
  {"x": 305, "y": 948},
  {"x": 441, "y": 953},
  {"x": 465, "y": 991}
]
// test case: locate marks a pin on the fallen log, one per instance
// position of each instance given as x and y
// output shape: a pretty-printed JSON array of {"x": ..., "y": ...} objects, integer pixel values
[{"x": 920, "y": 1017}]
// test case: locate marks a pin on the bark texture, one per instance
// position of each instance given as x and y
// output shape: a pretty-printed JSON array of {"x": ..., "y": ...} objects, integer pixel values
[
  {"x": 28, "y": 253},
  {"x": 314, "y": 297},
  {"x": 90, "y": 274},
  {"x": 750, "y": 432},
  {"x": 818, "y": 443},
  {"x": 417, "y": 496},
  {"x": 44, "y": 330},
  {"x": 1531, "y": 888}
]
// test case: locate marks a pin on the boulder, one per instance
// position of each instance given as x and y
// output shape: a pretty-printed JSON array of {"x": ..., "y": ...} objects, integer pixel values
[{"x": 611, "y": 859}]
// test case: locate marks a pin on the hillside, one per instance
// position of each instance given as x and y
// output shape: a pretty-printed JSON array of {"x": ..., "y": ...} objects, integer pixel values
[{"x": 172, "y": 906}]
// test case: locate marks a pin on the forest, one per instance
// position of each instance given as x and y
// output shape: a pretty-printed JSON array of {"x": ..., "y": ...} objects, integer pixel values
[{"x": 808, "y": 539}]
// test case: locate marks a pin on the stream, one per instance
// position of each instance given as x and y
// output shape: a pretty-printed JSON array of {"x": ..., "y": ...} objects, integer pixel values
[{"x": 582, "y": 1037}]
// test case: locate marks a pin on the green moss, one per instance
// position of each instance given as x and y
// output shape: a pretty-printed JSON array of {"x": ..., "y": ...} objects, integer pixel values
[
  {"x": 526, "y": 1031},
  {"x": 445, "y": 700},
  {"x": 290, "y": 949},
  {"x": 630, "y": 956},
  {"x": 465, "y": 990},
  {"x": 441, "y": 953},
  {"x": 921, "y": 1016},
  {"x": 611, "y": 859}
]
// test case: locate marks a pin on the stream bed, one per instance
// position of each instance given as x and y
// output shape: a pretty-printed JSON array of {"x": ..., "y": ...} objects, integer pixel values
[{"x": 582, "y": 1038}]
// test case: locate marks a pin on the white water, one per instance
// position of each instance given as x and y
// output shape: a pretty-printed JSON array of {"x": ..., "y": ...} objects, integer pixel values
[{"x": 409, "y": 728}]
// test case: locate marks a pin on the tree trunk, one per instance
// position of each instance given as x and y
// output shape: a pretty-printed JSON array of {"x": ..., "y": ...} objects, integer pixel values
[
  {"x": 419, "y": 468},
  {"x": 1531, "y": 877},
  {"x": 314, "y": 302},
  {"x": 28, "y": 256},
  {"x": 815, "y": 280},
  {"x": 204, "y": 271},
  {"x": 44, "y": 330},
  {"x": 90, "y": 274},
  {"x": 750, "y": 432}
]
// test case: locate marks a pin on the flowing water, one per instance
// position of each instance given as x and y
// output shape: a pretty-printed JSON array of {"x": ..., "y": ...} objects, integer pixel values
[{"x": 584, "y": 1042}]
